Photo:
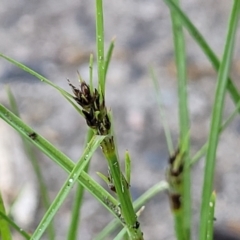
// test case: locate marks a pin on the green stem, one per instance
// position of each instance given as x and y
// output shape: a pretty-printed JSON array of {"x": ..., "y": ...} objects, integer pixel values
[
  {"x": 179, "y": 44},
  {"x": 216, "y": 119},
  {"x": 100, "y": 46},
  {"x": 162, "y": 113},
  {"x": 210, "y": 227},
  {"x": 5, "y": 232},
  {"x": 122, "y": 189},
  {"x": 15, "y": 226}
]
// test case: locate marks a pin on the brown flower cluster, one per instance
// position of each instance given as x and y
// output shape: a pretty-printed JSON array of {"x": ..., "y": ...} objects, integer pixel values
[
  {"x": 174, "y": 177},
  {"x": 94, "y": 110}
]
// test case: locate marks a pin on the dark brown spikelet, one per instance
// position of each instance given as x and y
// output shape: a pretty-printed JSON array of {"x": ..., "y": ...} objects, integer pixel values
[
  {"x": 93, "y": 110},
  {"x": 83, "y": 95},
  {"x": 175, "y": 200},
  {"x": 174, "y": 177},
  {"x": 90, "y": 119},
  {"x": 173, "y": 157}
]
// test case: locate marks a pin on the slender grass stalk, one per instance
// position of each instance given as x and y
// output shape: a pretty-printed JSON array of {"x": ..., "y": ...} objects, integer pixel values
[
  {"x": 203, "y": 149},
  {"x": 34, "y": 161},
  {"x": 162, "y": 113},
  {"x": 67, "y": 186},
  {"x": 211, "y": 218},
  {"x": 14, "y": 225},
  {"x": 108, "y": 146},
  {"x": 75, "y": 218},
  {"x": 104, "y": 178},
  {"x": 183, "y": 218},
  {"x": 122, "y": 189},
  {"x": 62, "y": 160},
  {"x": 108, "y": 57},
  {"x": 197, "y": 36},
  {"x": 216, "y": 119},
  {"x": 150, "y": 193},
  {"x": 128, "y": 167},
  {"x": 100, "y": 46},
  {"x": 230, "y": 118},
  {"x": 120, "y": 235},
  {"x": 200, "y": 153},
  {"x": 91, "y": 73},
  {"x": 174, "y": 176},
  {"x": 5, "y": 232}
]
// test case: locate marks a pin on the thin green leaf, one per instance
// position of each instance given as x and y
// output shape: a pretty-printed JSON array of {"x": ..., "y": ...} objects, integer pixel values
[
  {"x": 15, "y": 226},
  {"x": 34, "y": 161},
  {"x": 62, "y": 160},
  {"x": 66, "y": 188},
  {"x": 230, "y": 118},
  {"x": 65, "y": 94},
  {"x": 211, "y": 217},
  {"x": 197, "y": 36},
  {"x": 91, "y": 73},
  {"x": 120, "y": 235},
  {"x": 100, "y": 46},
  {"x": 108, "y": 58},
  {"x": 78, "y": 199},
  {"x": 12, "y": 101},
  {"x": 162, "y": 113},
  {"x": 128, "y": 167},
  {"x": 104, "y": 178},
  {"x": 5, "y": 232},
  {"x": 216, "y": 118}
]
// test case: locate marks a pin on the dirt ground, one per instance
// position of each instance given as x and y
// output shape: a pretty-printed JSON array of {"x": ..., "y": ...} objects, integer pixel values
[{"x": 55, "y": 38}]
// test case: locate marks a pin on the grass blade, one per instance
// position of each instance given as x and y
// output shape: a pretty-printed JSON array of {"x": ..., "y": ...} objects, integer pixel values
[
  {"x": 65, "y": 94},
  {"x": 162, "y": 113},
  {"x": 75, "y": 218},
  {"x": 100, "y": 46},
  {"x": 183, "y": 218},
  {"x": 210, "y": 227},
  {"x": 91, "y": 73},
  {"x": 62, "y": 160},
  {"x": 122, "y": 188},
  {"x": 197, "y": 36},
  {"x": 216, "y": 119},
  {"x": 15, "y": 226},
  {"x": 128, "y": 168},
  {"x": 108, "y": 57},
  {"x": 34, "y": 161},
  {"x": 121, "y": 235},
  {"x": 5, "y": 232},
  {"x": 66, "y": 188}
]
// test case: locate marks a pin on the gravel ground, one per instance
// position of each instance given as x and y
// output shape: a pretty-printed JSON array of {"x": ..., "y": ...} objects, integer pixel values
[{"x": 55, "y": 39}]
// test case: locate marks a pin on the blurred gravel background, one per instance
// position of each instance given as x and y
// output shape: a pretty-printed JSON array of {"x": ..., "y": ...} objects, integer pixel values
[{"x": 55, "y": 38}]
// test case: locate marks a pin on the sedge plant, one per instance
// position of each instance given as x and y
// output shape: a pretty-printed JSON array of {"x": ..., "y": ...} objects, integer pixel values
[{"x": 89, "y": 102}]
